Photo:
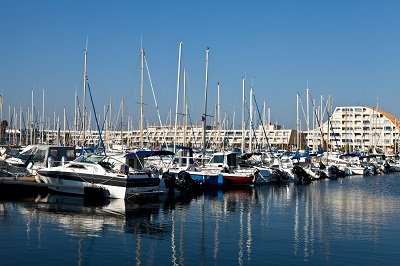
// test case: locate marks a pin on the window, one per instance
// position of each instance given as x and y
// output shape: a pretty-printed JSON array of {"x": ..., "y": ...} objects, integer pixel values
[{"x": 218, "y": 159}]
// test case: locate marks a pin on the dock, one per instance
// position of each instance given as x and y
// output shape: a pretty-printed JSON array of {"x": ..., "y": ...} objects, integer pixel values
[{"x": 20, "y": 186}]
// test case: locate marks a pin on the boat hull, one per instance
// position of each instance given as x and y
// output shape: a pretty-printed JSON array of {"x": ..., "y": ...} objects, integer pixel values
[
  {"x": 237, "y": 179},
  {"x": 209, "y": 179},
  {"x": 114, "y": 186}
]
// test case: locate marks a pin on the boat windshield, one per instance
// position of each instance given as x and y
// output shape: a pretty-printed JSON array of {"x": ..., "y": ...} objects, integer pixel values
[
  {"x": 27, "y": 153},
  {"x": 96, "y": 158},
  {"x": 91, "y": 158}
]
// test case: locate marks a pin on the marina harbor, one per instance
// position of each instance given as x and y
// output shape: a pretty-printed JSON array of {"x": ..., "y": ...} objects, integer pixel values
[{"x": 199, "y": 133}]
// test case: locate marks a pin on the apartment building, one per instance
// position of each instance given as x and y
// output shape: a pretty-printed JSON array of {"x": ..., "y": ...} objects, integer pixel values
[{"x": 361, "y": 128}]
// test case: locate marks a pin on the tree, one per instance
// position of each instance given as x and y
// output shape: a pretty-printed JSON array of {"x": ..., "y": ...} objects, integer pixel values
[{"x": 3, "y": 128}]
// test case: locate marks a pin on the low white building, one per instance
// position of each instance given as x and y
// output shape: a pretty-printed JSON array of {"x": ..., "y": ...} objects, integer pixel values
[{"x": 156, "y": 135}]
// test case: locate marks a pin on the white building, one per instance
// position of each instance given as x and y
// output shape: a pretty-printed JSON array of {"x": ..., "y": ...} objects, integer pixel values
[{"x": 360, "y": 128}]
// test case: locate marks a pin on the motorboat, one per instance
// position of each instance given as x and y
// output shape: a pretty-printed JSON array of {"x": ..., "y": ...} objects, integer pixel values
[
  {"x": 102, "y": 175},
  {"x": 34, "y": 157}
]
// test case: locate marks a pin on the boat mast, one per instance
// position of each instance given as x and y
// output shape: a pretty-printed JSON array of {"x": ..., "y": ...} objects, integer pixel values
[
  {"x": 84, "y": 93},
  {"x": 251, "y": 121},
  {"x": 141, "y": 97},
  {"x": 31, "y": 127},
  {"x": 110, "y": 125},
  {"x": 219, "y": 116},
  {"x": 184, "y": 107},
  {"x": 65, "y": 127},
  {"x": 27, "y": 126},
  {"x": 264, "y": 113},
  {"x": 205, "y": 105},
  {"x": 42, "y": 131},
  {"x": 308, "y": 108},
  {"x": 20, "y": 125},
  {"x": 1, "y": 114},
  {"x": 177, "y": 93},
  {"x": 243, "y": 125},
  {"x": 122, "y": 123},
  {"x": 297, "y": 121},
  {"x": 75, "y": 116}
]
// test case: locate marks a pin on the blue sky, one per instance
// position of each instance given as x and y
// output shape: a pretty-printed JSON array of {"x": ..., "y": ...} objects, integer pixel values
[{"x": 348, "y": 50}]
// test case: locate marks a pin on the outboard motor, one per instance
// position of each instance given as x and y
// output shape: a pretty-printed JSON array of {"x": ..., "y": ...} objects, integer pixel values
[{"x": 302, "y": 175}]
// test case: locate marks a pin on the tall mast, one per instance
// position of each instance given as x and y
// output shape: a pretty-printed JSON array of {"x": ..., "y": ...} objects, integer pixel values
[
  {"x": 177, "y": 92},
  {"x": 218, "y": 114},
  {"x": 20, "y": 125},
  {"x": 308, "y": 110},
  {"x": 54, "y": 121},
  {"x": 1, "y": 112},
  {"x": 27, "y": 126},
  {"x": 75, "y": 116},
  {"x": 297, "y": 121},
  {"x": 110, "y": 128},
  {"x": 264, "y": 114},
  {"x": 1, "y": 107},
  {"x": 141, "y": 97},
  {"x": 243, "y": 125},
  {"x": 10, "y": 119},
  {"x": 122, "y": 122},
  {"x": 184, "y": 107},
  {"x": 205, "y": 104},
  {"x": 251, "y": 121},
  {"x": 84, "y": 92},
  {"x": 42, "y": 124},
  {"x": 65, "y": 127},
  {"x": 233, "y": 119},
  {"x": 31, "y": 127}
]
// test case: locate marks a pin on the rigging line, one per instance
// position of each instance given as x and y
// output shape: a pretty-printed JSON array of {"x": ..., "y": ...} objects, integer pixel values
[
  {"x": 319, "y": 125},
  {"x": 116, "y": 118},
  {"x": 79, "y": 115},
  {"x": 304, "y": 114},
  {"x": 155, "y": 99},
  {"x": 152, "y": 90},
  {"x": 265, "y": 133},
  {"x": 191, "y": 126},
  {"x": 68, "y": 129},
  {"x": 104, "y": 121},
  {"x": 325, "y": 110},
  {"x": 252, "y": 130},
  {"x": 333, "y": 131}
]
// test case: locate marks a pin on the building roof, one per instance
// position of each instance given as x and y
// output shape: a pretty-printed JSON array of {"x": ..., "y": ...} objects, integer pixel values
[{"x": 391, "y": 117}]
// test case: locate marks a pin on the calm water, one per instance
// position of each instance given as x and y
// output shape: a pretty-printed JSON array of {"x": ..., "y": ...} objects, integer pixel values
[{"x": 352, "y": 221}]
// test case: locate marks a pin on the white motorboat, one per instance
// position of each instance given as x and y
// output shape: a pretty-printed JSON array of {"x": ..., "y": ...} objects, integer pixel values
[{"x": 101, "y": 174}]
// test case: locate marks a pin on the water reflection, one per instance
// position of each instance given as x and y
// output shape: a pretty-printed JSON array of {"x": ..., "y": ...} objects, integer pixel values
[{"x": 240, "y": 226}]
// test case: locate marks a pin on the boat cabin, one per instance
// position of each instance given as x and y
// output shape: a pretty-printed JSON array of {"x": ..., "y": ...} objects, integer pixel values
[
  {"x": 224, "y": 159},
  {"x": 34, "y": 157},
  {"x": 43, "y": 155},
  {"x": 137, "y": 160}
]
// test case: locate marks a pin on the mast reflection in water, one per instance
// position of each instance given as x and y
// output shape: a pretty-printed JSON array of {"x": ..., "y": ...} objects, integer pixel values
[{"x": 347, "y": 221}]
